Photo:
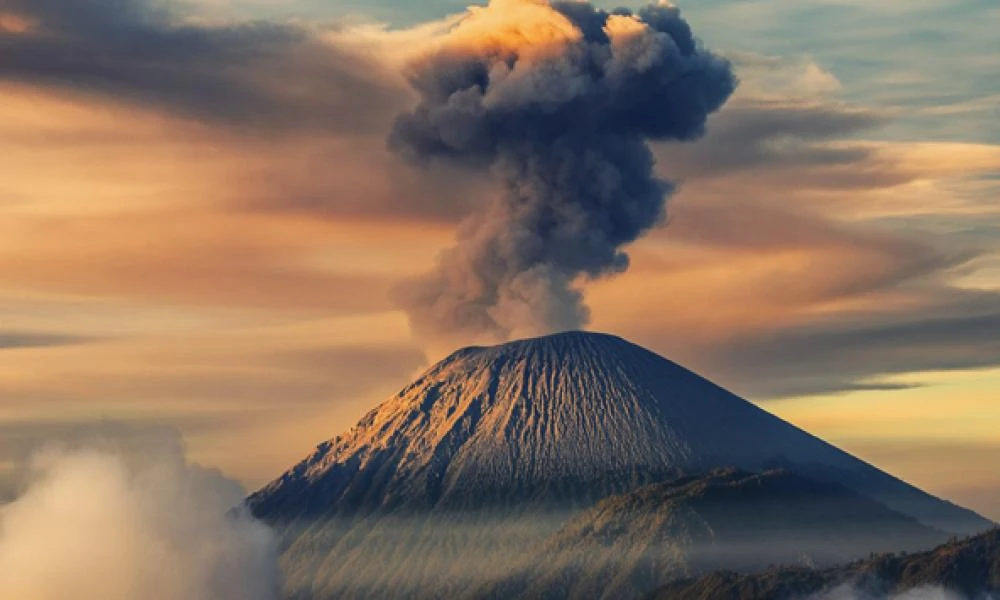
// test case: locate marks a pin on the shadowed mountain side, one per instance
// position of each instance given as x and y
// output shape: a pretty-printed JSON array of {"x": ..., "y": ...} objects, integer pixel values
[
  {"x": 629, "y": 544},
  {"x": 492, "y": 450},
  {"x": 970, "y": 567}
]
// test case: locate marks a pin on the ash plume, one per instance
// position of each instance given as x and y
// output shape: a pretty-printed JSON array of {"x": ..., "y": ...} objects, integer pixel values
[{"x": 556, "y": 101}]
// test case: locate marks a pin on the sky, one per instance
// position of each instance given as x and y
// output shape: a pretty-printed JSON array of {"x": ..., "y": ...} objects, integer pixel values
[{"x": 201, "y": 225}]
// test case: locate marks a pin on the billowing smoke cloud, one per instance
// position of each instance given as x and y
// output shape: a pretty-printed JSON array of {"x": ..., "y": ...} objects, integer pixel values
[
  {"x": 557, "y": 101},
  {"x": 127, "y": 517}
]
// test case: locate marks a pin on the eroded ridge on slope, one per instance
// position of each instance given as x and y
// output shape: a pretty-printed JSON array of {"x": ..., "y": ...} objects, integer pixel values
[{"x": 494, "y": 449}]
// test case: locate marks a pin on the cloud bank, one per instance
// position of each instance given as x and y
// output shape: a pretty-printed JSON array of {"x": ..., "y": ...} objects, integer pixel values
[
  {"x": 123, "y": 515},
  {"x": 557, "y": 101},
  {"x": 849, "y": 592},
  {"x": 258, "y": 76}
]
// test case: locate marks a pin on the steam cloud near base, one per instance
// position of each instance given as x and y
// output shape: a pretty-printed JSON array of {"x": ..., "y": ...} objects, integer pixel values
[{"x": 127, "y": 517}]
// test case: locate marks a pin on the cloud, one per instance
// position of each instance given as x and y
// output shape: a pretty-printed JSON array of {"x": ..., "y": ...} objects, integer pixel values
[
  {"x": 119, "y": 514},
  {"x": 201, "y": 257},
  {"x": 367, "y": 184},
  {"x": 230, "y": 371},
  {"x": 260, "y": 76},
  {"x": 762, "y": 139},
  {"x": 823, "y": 306},
  {"x": 827, "y": 261},
  {"x": 849, "y": 592},
  {"x": 29, "y": 339},
  {"x": 556, "y": 101},
  {"x": 785, "y": 127},
  {"x": 176, "y": 234},
  {"x": 222, "y": 383},
  {"x": 195, "y": 217},
  {"x": 826, "y": 355}
]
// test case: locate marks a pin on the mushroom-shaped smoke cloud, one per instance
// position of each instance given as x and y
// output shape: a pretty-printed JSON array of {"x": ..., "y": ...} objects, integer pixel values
[{"x": 557, "y": 101}]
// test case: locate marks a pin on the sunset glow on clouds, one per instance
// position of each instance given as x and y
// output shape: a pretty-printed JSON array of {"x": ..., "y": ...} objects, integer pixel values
[{"x": 200, "y": 224}]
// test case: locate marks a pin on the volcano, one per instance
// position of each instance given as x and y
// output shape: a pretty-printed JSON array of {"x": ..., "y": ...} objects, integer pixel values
[{"x": 493, "y": 450}]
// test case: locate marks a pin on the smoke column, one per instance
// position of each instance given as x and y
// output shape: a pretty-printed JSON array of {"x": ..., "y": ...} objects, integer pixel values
[{"x": 557, "y": 102}]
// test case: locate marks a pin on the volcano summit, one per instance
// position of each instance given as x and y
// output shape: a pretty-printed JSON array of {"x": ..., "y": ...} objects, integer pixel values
[{"x": 492, "y": 451}]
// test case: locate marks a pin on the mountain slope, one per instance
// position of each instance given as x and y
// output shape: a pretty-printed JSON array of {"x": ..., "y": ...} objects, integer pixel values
[
  {"x": 491, "y": 450},
  {"x": 631, "y": 543},
  {"x": 970, "y": 567}
]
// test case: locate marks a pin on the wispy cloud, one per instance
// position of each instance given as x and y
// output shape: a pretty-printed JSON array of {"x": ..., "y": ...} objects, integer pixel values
[
  {"x": 258, "y": 76},
  {"x": 34, "y": 339}
]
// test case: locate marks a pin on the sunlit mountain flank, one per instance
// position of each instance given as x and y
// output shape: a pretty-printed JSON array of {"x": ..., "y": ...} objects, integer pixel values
[{"x": 447, "y": 486}]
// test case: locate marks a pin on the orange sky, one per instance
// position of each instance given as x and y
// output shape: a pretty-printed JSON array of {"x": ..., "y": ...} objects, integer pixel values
[{"x": 158, "y": 263}]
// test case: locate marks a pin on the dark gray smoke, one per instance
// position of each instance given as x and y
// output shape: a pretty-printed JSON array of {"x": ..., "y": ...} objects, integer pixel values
[{"x": 557, "y": 101}]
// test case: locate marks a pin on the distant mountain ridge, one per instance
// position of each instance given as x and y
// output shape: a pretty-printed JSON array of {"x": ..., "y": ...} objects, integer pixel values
[
  {"x": 970, "y": 567},
  {"x": 494, "y": 449},
  {"x": 634, "y": 542}
]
